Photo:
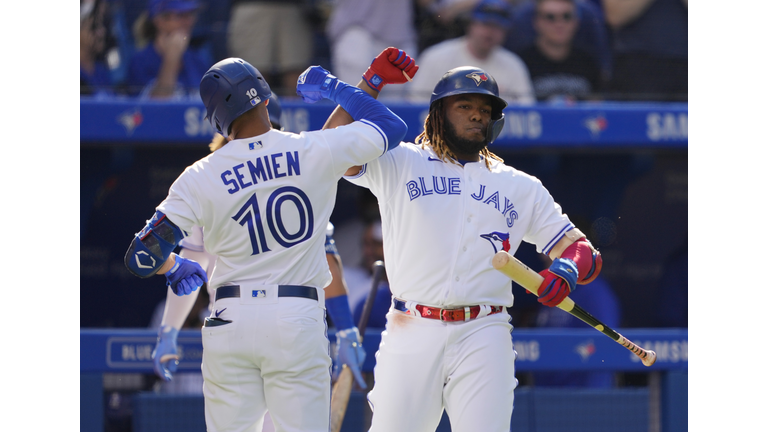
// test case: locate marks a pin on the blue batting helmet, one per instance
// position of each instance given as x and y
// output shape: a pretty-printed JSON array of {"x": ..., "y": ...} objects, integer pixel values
[
  {"x": 469, "y": 79},
  {"x": 230, "y": 88},
  {"x": 275, "y": 110}
]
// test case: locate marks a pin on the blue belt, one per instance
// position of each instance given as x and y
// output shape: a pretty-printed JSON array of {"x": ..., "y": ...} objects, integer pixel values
[{"x": 228, "y": 291}]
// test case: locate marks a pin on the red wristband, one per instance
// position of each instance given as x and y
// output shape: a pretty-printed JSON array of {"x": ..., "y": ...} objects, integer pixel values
[{"x": 588, "y": 260}]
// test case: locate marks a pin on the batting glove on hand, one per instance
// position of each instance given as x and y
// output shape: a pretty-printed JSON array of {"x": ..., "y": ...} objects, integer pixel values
[
  {"x": 164, "y": 356},
  {"x": 350, "y": 352},
  {"x": 390, "y": 67},
  {"x": 559, "y": 281},
  {"x": 315, "y": 84},
  {"x": 185, "y": 276}
]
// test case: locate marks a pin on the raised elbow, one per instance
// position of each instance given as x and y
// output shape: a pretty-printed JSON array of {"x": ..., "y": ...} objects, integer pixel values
[{"x": 395, "y": 131}]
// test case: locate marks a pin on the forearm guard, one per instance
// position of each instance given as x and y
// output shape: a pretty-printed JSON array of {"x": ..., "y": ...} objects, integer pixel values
[{"x": 152, "y": 246}]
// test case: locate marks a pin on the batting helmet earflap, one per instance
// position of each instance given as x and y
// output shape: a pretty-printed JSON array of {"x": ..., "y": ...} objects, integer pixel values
[
  {"x": 469, "y": 79},
  {"x": 275, "y": 111},
  {"x": 230, "y": 88}
]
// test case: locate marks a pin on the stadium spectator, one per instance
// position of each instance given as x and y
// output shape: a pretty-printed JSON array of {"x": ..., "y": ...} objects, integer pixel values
[
  {"x": 439, "y": 20},
  {"x": 168, "y": 66},
  {"x": 650, "y": 44},
  {"x": 274, "y": 36},
  {"x": 592, "y": 34},
  {"x": 559, "y": 70},
  {"x": 359, "y": 30},
  {"x": 95, "y": 76},
  {"x": 481, "y": 48}
]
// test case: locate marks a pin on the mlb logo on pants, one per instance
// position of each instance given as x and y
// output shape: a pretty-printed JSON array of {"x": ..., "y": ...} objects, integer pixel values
[{"x": 259, "y": 293}]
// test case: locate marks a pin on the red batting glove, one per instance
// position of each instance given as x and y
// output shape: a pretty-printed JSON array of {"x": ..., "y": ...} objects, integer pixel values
[
  {"x": 389, "y": 68},
  {"x": 553, "y": 290}
]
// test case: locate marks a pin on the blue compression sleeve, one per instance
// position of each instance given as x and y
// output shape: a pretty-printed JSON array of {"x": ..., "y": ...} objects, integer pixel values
[
  {"x": 338, "y": 308},
  {"x": 361, "y": 106}
]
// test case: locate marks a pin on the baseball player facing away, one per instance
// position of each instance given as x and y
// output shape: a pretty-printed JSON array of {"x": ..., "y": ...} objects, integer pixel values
[
  {"x": 448, "y": 205},
  {"x": 263, "y": 202},
  {"x": 165, "y": 355}
]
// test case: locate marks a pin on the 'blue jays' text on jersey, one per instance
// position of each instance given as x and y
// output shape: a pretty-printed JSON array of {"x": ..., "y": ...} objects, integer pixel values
[
  {"x": 442, "y": 224},
  {"x": 264, "y": 202}
]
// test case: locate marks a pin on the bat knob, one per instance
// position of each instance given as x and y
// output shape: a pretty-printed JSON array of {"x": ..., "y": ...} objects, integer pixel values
[
  {"x": 378, "y": 263},
  {"x": 500, "y": 260},
  {"x": 650, "y": 358}
]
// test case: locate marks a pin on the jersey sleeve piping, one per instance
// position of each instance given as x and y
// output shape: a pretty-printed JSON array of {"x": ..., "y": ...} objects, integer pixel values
[
  {"x": 363, "y": 169},
  {"x": 381, "y": 132},
  {"x": 548, "y": 247}
]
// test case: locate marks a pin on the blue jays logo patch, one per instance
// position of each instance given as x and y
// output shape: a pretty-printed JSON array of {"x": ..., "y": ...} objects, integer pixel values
[
  {"x": 478, "y": 77},
  {"x": 499, "y": 241}
]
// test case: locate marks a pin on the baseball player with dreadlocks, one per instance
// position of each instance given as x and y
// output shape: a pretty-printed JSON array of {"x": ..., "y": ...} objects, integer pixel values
[
  {"x": 448, "y": 204},
  {"x": 263, "y": 200}
]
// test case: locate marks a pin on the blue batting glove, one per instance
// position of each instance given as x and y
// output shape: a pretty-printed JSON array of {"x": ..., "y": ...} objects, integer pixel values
[
  {"x": 559, "y": 282},
  {"x": 315, "y": 84},
  {"x": 164, "y": 356},
  {"x": 350, "y": 352},
  {"x": 567, "y": 270},
  {"x": 186, "y": 276}
]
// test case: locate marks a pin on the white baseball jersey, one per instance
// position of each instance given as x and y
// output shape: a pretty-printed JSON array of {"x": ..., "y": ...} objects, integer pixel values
[
  {"x": 195, "y": 242},
  {"x": 264, "y": 202},
  {"x": 443, "y": 223}
]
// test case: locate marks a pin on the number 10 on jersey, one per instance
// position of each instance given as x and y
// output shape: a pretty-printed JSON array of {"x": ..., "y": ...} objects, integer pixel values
[{"x": 288, "y": 214}]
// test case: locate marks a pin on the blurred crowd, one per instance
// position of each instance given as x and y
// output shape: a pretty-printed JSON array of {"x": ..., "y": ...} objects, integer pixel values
[{"x": 538, "y": 50}]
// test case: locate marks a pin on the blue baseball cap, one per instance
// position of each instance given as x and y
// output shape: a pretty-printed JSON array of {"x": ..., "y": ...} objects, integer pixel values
[
  {"x": 157, "y": 7},
  {"x": 493, "y": 11}
]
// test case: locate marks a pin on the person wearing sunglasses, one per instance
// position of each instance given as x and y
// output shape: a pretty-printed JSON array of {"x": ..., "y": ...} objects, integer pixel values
[{"x": 559, "y": 70}]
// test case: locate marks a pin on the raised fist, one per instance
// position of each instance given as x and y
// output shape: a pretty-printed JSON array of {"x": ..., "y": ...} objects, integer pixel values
[
  {"x": 315, "y": 84},
  {"x": 391, "y": 66}
]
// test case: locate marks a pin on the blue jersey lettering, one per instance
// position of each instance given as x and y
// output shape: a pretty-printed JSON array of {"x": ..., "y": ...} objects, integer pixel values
[
  {"x": 227, "y": 181},
  {"x": 261, "y": 169}
]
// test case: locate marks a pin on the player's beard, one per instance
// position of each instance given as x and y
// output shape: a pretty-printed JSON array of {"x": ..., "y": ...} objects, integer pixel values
[{"x": 462, "y": 146}]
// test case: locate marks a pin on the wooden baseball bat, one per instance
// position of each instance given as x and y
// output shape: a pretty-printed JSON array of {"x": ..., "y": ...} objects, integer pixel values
[
  {"x": 531, "y": 281},
  {"x": 343, "y": 386}
]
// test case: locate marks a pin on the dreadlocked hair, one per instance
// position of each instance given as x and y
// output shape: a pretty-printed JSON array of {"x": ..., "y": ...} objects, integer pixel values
[{"x": 432, "y": 136}]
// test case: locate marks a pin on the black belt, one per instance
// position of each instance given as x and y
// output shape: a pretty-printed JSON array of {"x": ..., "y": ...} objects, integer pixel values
[{"x": 228, "y": 291}]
